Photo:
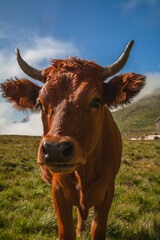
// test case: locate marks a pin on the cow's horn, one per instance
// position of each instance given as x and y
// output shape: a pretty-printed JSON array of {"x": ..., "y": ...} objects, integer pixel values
[
  {"x": 30, "y": 71},
  {"x": 119, "y": 64}
]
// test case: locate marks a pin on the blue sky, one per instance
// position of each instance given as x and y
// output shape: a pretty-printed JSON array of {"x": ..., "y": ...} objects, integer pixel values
[{"x": 93, "y": 30}]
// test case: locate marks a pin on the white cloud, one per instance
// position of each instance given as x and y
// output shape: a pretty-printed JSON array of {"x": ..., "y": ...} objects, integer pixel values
[
  {"x": 35, "y": 50},
  {"x": 4, "y": 115},
  {"x": 130, "y": 4},
  {"x": 33, "y": 127},
  {"x": 152, "y": 84},
  {"x": 48, "y": 48}
]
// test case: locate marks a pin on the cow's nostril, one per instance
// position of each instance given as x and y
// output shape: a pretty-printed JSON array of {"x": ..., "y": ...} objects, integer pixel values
[
  {"x": 68, "y": 149},
  {"x": 45, "y": 148}
]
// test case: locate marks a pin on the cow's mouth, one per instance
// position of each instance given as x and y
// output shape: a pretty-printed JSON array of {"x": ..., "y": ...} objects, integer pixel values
[{"x": 62, "y": 168}]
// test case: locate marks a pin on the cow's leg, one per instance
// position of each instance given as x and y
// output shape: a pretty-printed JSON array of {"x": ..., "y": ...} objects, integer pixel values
[
  {"x": 80, "y": 224},
  {"x": 64, "y": 214},
  {"x": 99, "y": 223}
]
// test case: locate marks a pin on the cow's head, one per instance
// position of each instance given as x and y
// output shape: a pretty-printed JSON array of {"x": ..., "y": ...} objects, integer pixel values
[{"x": 72, "y": 102}]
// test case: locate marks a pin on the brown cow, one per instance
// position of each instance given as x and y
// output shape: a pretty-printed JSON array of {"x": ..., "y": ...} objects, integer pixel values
[{"x": 80, "y": 149}]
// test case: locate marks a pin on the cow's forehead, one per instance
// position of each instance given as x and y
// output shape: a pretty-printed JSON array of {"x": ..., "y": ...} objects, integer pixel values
[
  {"x": 72, "y": 86},
  {"x": 71, "y": 78},
  {"x": 73, "y": 68}
]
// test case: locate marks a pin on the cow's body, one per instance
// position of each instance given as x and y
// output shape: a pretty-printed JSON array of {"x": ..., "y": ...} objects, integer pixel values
[
  {"x": 80, "y": 149},
  {"x": 91, "y": 185}
]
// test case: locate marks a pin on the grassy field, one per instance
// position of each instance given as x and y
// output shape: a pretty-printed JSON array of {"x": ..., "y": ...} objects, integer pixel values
[{"x": 26, "y": 206}]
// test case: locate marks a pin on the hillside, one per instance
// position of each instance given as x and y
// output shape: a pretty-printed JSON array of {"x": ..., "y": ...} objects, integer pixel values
[{"x": 139, "y": 116}]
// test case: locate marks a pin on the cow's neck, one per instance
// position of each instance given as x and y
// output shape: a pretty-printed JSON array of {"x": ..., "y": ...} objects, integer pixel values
[
  {"x": 86, "y": 175},
  {"x": 93, "y": 167}
]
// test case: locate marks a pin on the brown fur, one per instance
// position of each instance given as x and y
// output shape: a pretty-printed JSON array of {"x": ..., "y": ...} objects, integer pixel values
[
  {"x": 70, "y": 87},
  {"x": 22, "y": 97},
  {"x": 122, "y": 88}
]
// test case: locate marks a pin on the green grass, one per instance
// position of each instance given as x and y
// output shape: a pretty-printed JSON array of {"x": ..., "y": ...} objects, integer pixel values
[{"x": 26, "y": 206}]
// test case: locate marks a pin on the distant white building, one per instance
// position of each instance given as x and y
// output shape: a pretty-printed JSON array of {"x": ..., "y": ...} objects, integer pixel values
[{"x": 158, "y": 126}]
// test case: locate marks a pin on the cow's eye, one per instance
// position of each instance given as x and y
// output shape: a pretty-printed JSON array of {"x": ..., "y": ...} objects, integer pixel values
[
  {"x": 38, "y": 106},
  {"x": 95, "y": 103}
]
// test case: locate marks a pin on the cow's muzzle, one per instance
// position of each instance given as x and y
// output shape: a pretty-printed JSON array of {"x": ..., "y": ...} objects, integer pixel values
[
  {"x": 58, "y": 156},
  {"x": 58, "y": 151}
]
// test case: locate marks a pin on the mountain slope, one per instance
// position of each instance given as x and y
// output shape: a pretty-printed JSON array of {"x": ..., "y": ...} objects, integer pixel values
[{"x": 139, "y": 116}]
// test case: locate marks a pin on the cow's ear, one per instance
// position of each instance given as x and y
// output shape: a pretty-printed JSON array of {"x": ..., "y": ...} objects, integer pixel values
[
  {"x": 22, "y": 93},
  {"x": 122, "y": 88}
]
